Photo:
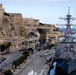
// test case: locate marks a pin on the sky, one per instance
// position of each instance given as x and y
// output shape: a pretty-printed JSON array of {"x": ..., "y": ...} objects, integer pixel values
[{"x": 47, "y": 11}]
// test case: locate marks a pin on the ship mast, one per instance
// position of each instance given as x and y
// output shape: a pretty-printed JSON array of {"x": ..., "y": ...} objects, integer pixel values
[{"x": 68, "y": 19}]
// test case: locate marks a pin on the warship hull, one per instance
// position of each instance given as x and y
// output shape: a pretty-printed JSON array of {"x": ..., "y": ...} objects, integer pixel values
[
  {"x": 65, "y": 49},
  {"x": 66, "y": 65}
]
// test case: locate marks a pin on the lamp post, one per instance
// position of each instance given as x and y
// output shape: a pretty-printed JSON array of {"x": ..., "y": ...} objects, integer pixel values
[
  {"x": 34, "y": 67},
  {"x": 0, "y": 49},
  {"x": 34, "y": 58}
]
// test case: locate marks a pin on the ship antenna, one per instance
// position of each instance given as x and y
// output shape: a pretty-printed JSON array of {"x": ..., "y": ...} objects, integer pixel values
[{"x": 68, "y": 10}]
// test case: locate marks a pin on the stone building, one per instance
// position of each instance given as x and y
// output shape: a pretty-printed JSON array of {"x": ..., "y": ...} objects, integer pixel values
[
  {"x": 17, "y": 30},
  {"x": 31, "y": 21},
  {"x": 9, "y": 26},
  {"x": 46, "y": 31}
]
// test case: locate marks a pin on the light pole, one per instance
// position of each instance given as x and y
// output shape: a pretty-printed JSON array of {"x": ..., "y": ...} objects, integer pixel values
[
  {"x": 0, "y": 49},
  {"x": 34, "y": 58},
  {"x": 34, "y": 66}
]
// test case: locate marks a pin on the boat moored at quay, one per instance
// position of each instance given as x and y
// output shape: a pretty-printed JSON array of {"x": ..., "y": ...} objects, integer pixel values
[{"x": 65, "y": 50}]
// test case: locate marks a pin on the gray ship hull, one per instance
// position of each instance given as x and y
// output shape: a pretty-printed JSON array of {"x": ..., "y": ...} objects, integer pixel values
[
  {"x": 65, "y": 50},
  {"x": 67, "y": 66},
  {"x": 72, "y": 66}
]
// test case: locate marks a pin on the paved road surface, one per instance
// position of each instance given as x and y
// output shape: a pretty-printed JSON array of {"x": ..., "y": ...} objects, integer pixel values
[
  {"x": 38, "y": 65},
  {"x": 10, "y": 58}
]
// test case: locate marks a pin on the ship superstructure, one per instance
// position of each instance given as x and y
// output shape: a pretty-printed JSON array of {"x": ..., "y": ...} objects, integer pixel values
[{"x": 65, "y": 51}]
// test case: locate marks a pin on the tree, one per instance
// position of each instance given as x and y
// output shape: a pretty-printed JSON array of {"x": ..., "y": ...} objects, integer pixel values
[
  {"x": 8, "y": 45},
  {"x": 2, "y": 47},
  {"x": 8, "y": 72},
  {"x": 5, "y": 46},
  {"x": 15, "y": 63},
  {"x": 31, "y": 50}
]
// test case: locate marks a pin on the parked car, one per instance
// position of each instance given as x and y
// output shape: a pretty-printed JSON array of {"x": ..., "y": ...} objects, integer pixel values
[
  {"x": 3, "y": 59},
  {"x": 3, "y": 53},
  {"x": 48, "y": 59},
  {"x": 0, "y": 61},
  {"x": 45, "y": 55}
]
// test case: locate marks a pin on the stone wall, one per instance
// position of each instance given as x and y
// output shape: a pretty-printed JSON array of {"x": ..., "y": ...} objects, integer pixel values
[
  {"x": 13, "y": 25},
  {"x": 16, "y": 18},
  {"x": 1, "y": 11},
  {"x": 30, "y": 21}
]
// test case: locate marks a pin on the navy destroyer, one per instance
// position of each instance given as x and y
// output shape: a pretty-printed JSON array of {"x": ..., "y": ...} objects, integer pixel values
[{"x": 65, "y": 50}]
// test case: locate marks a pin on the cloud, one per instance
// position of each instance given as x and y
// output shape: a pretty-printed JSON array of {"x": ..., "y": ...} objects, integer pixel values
[
  {"x": 31, "y": 1},
  {"x": 60, "y": 0},
  {"x": 26, "y": 2}
]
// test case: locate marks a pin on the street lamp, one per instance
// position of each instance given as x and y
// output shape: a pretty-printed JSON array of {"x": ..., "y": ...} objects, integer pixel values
[
  {"x": 0, "y": 49},
  {"x": 34, "y": 67},
  {"x": 34, "y": 58}
]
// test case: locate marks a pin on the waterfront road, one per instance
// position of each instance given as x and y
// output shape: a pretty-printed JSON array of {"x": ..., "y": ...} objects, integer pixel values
[
  {"x": 10, "y": 57},
  {"x": 37, "y": 65}
]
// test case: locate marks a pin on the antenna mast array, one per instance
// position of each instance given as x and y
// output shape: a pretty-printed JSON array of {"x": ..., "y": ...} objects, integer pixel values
[{"x": 68, "y": 19}]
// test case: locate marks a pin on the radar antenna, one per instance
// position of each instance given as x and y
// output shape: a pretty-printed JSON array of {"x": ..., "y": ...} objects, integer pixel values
[{"x": 68, "y": 19}]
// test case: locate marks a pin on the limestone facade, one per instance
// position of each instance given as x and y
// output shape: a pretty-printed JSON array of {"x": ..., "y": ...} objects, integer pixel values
[
  {"x": 16, "y": 29},
  {"x": 30, "y": 21}
]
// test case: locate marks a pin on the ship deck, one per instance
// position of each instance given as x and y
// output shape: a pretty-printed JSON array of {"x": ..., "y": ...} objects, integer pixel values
[{"x": 60, "y": 72}]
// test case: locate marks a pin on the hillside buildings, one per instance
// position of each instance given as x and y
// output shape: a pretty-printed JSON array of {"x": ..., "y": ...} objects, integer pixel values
[{"x": 25, "y": 32}]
